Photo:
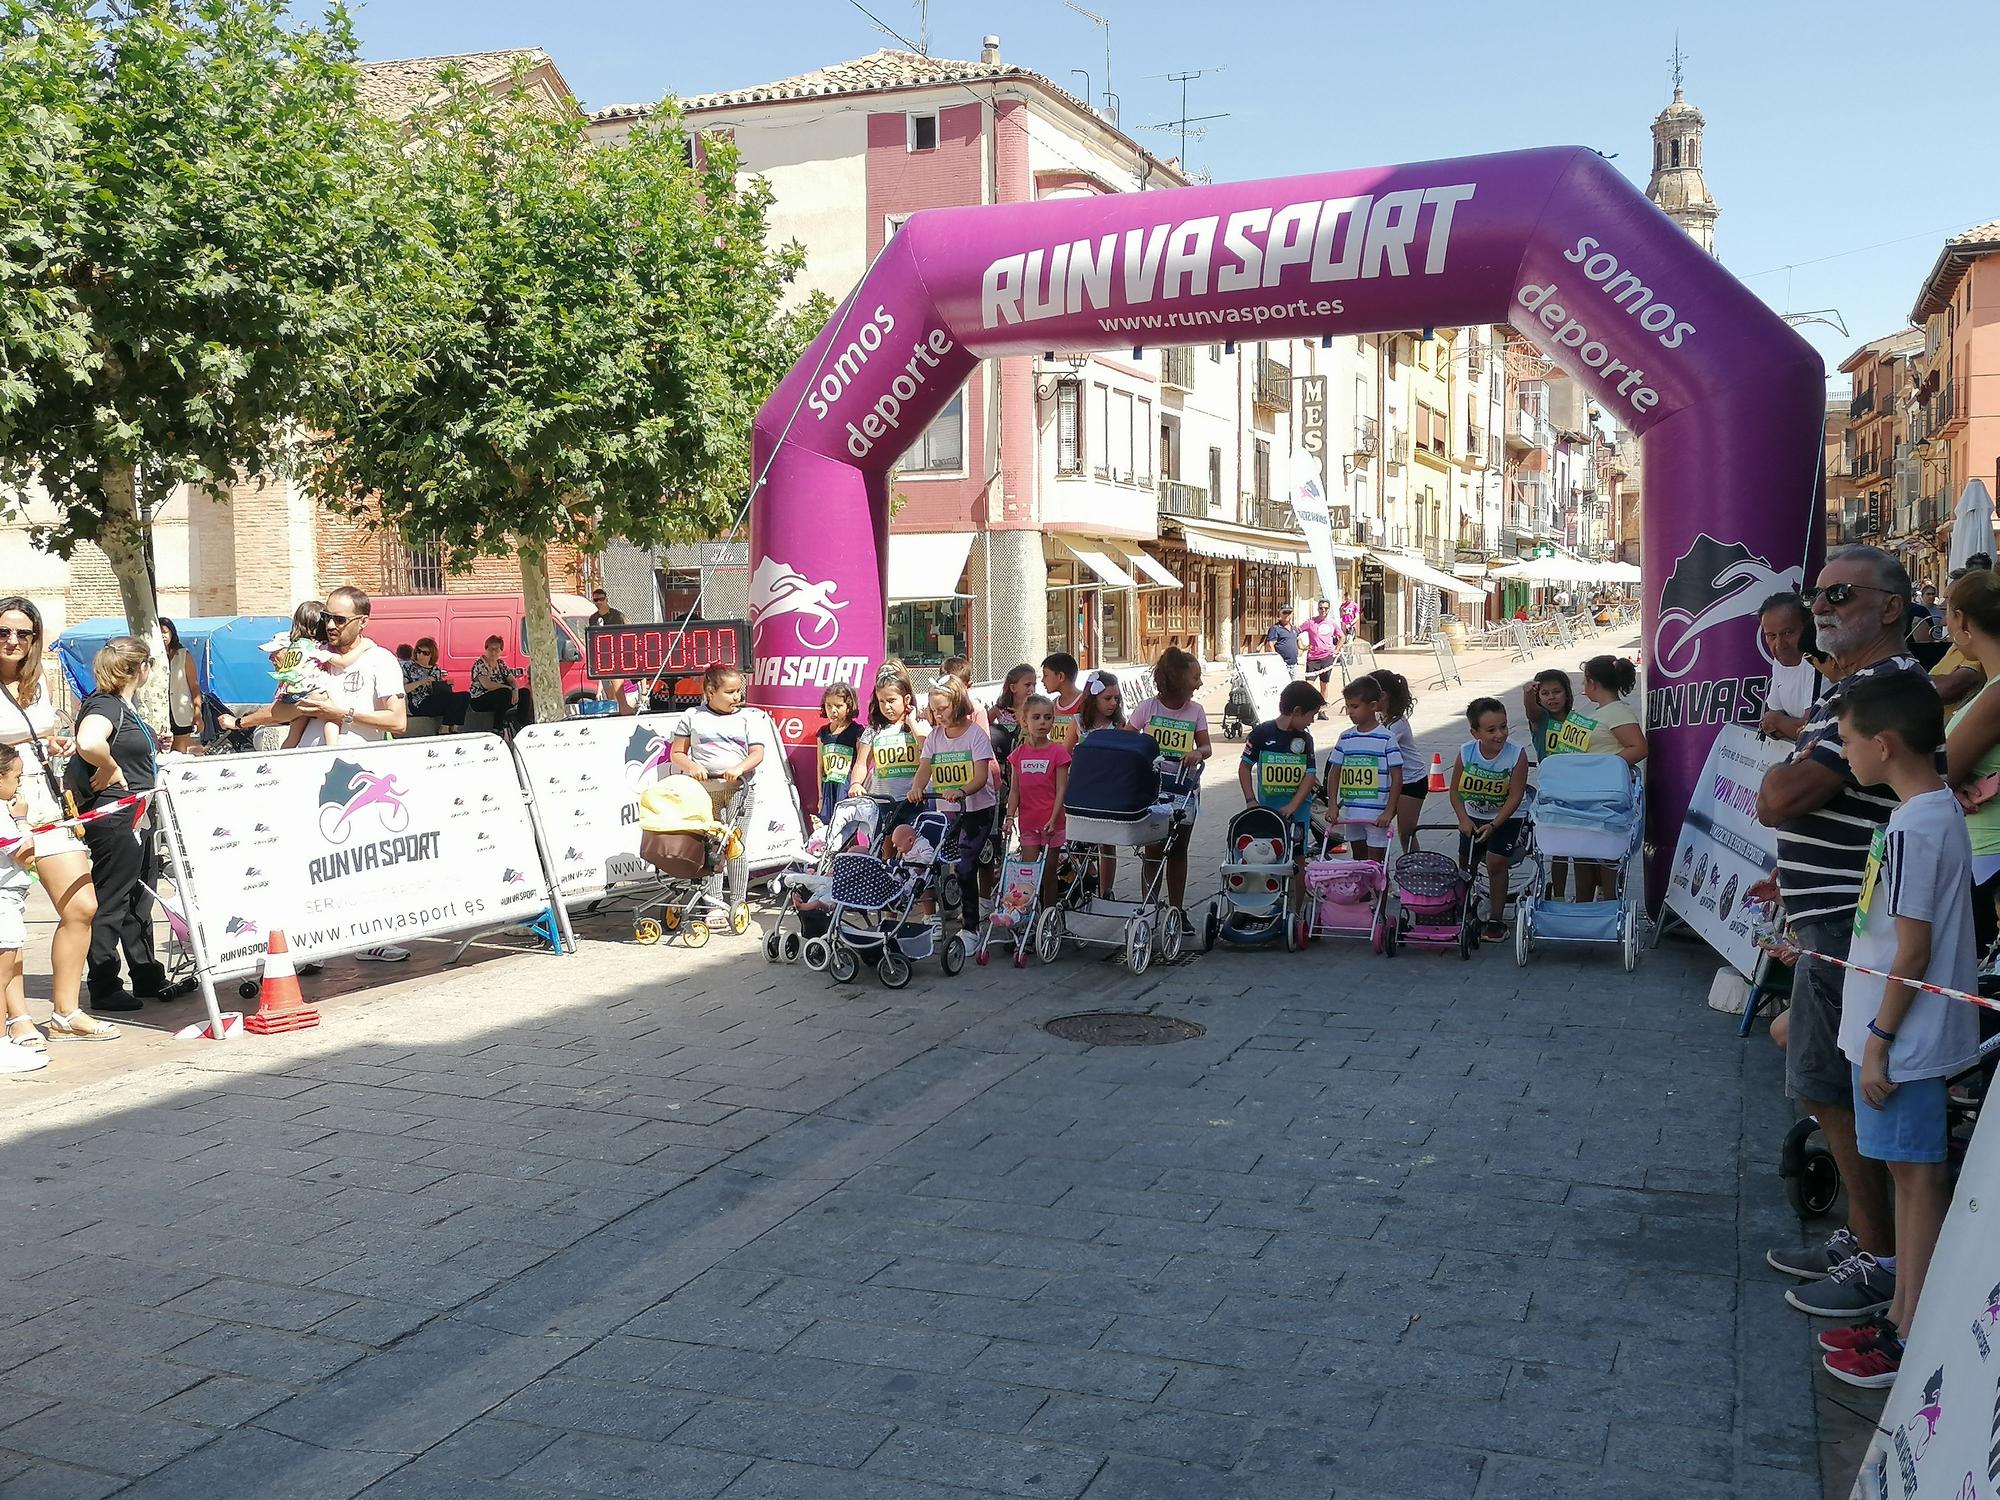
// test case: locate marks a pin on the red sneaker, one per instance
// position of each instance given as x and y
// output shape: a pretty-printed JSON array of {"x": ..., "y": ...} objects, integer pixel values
[
  {"x": 1846, "y": 1340},
  {"x": 1872, "y": 1367}
]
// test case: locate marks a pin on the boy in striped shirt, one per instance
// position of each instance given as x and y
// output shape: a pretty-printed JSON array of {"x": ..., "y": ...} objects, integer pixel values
[{"x": 1364, "y": 772}]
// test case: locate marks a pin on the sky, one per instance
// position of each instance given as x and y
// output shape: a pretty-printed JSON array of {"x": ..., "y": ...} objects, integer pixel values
[{"x": 1844, "y": 141}]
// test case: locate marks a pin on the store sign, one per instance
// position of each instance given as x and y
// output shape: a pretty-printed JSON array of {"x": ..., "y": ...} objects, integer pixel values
[
  {"x": 1312, "y": 420},
  {"x": 352, "y": 846}
]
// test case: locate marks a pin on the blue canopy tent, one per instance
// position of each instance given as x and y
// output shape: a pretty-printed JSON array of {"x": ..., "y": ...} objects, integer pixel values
[{"x": 225, "y": 648}]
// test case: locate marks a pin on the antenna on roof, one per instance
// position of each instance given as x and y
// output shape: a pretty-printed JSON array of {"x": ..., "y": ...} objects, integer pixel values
[
  {"x": 1181, "y": 123},
  {"x": 924, "y": 27},
  {"x": 1110, "y": 109}
]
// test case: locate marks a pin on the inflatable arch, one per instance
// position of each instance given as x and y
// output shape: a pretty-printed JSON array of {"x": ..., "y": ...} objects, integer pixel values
[{"x": 1727, "y": 399}]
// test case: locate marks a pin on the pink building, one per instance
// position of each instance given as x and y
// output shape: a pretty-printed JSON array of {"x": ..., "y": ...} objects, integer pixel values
[
  {"x": 1029, "y": 517},
  {"x": 1955, "y": 428}
]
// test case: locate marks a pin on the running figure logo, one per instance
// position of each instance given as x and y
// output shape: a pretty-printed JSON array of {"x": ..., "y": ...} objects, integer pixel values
[
  {"x": 778, "y": 589},
  {"x": 348, "y": 790},
  {"x": 1713, "y": 583}
]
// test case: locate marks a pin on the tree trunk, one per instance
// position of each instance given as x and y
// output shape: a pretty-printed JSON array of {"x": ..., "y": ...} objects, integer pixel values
[
  {"x": 544, "y": 665},
  {"x": 123, "y": 539}
]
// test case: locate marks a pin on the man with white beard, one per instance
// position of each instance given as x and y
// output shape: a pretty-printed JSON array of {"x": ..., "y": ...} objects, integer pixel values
[{"x": 1827, "y": 824}]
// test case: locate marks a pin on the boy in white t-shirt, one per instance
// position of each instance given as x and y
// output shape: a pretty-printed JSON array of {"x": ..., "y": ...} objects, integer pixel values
[{"x": 1914, "y": 921}]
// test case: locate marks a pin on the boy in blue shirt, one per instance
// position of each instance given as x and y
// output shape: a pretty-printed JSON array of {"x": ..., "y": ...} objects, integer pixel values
[{"x": 1277, "y": 766}]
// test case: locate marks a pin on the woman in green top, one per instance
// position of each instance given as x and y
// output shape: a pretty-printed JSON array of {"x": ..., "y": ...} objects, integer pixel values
[{"x": 1972, "y": 739}]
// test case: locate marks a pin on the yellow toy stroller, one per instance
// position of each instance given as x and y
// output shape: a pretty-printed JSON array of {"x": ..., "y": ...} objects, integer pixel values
[{"x": 680, "y": 837}]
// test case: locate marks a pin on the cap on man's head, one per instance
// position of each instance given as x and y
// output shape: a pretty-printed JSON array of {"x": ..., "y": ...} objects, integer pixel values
[
  {"x": 597, "y": 593},
  {"x": 1284, "y": 609}
]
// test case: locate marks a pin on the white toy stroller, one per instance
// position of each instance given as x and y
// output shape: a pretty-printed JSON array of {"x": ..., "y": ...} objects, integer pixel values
[
  {"x": 1122, "y": 795},
  {"x": 1259, "y": 899},
  {"x": 874, "y": 895},
  {"x": 805, "y": 890},
  {"x": 1588, "y": 809}
]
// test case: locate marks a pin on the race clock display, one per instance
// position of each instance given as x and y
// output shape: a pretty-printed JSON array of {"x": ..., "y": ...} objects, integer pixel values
[{"x": 675, "y": 652}]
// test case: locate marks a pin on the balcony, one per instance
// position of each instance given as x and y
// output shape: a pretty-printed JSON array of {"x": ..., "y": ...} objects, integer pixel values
[
  {"x": 1440, "y": 554},
  {"x": 1178, "y": 498},
  {"x": 1861, "y": 405},
  {"x": 1392, "y": 461},
  {"x": 1945, "y": 411},
  {"x": 1840, "y": 466},
  {"x": 1177, "y": 369},
  {"x": 1364, "y": 438},
  {"x": 1474, "y": 454},
  {"x": 1273, "y": 387},
  {"x": 1271, "y": 515},
  {"x": 1528, "y": 429}
]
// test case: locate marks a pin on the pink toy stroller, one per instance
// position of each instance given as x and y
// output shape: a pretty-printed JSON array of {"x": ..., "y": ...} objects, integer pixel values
[
  {"x": 1018, "y": 917},
  {"x": 1347, "y": 898},
  {"x": 1434, "y": 907}
]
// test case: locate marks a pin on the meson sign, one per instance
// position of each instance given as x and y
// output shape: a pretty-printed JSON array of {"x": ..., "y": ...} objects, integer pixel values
[{"x": 1337, "y": 239}]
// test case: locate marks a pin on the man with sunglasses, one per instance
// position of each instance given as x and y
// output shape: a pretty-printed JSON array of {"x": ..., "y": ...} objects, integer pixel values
[{"x": 1827, "y": 823}]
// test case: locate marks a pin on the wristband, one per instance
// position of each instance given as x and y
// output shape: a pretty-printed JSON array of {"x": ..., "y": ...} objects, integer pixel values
[{"x": 1887, "y": 1036}]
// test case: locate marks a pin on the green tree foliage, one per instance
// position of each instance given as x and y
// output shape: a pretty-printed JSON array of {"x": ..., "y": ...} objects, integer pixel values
[
  {"x": 195, "y": 212},
  {"x": 604, "y": 322}
]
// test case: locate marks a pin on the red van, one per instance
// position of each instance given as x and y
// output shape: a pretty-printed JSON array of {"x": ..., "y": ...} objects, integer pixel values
[{"x": 460, "y": 624}]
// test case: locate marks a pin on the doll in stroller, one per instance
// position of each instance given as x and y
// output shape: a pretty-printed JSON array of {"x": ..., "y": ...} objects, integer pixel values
[
  {"x": 874, "y": 896},
  {"x": 680, "y": 836},
  {"x": 805, "y": 890}
]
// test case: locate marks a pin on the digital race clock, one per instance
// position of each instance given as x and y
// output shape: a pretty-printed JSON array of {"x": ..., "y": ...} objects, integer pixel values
[{"x": 676, "y": 652}]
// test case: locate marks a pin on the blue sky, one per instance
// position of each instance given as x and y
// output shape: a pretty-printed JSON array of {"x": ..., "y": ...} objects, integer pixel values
[{"x": 1844, "y": 140}]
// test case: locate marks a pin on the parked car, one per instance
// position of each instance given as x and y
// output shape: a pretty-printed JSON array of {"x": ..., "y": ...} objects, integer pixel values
[{"x": 460, "y": 624}]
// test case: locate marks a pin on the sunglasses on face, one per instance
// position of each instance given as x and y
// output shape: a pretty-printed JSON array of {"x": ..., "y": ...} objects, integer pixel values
[
  {"x": 7, "y": 633},
  {"x": 1838, "y": 594},
  {"x": 339, "y": 620}
]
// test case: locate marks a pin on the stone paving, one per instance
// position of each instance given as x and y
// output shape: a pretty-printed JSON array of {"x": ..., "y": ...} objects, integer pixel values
[{"x": 660, "y": 1223}]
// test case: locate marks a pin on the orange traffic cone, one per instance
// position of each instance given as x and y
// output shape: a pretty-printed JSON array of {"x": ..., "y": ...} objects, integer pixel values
[
  {"x": 1437, "y": 773},
  {"x": 280, "y": 1006}
]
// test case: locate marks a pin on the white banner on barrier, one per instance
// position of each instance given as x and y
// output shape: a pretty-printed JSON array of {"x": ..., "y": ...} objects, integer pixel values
[
  {"x": 1723, "y": 849},
  {"x": 352, "y": 847},
  {"x": 586, "y": 776},
  {"x": 1264, "y": 675},
  {"x": 1939, "y": 1436}
]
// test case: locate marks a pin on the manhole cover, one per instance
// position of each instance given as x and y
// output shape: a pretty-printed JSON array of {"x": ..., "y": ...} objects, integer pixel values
[{"x": 1121, "y": 1028}]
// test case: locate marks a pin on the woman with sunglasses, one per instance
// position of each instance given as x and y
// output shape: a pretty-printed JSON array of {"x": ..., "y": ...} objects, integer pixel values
[
  {"x": 430, "y": 693},
  {"x": 28, "y": 722}
]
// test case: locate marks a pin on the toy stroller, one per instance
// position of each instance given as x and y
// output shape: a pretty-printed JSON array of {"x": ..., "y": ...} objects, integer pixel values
[
  {"x": 874, "y": 895},
  {"x": 805, "y": 890},
  {"x": 1017, "y": 916},
  {"x": 1257, "y": 895},
  {"x": 680, "y": 837},
  {"x": 1587, "y": 808},
  {"x": 1344, "y": 898},
  {"x": 1434, "y": 898}
]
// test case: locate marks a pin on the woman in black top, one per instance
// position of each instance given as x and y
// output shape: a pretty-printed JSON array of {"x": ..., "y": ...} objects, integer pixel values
[{"x": 116, "y": 757}]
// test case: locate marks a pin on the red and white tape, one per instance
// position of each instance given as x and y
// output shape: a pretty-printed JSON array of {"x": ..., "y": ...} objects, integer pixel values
[
  {"x": 1783, "y": 945},
  {"x": 109, "y": 810}
]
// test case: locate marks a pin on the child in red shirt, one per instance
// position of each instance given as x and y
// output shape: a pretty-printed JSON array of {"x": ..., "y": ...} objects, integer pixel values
[{"x": 1037, "y": 788}]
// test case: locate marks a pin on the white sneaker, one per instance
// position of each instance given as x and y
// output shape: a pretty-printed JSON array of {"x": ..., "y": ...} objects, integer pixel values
[
  {"x": 17, "y": 1059},
  {"x": 387, "y": 954}
]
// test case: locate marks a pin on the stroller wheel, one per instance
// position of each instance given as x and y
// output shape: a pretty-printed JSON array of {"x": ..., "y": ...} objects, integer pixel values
[
  {"x": 1211, "y": 930},
  {"x": 1020, "y": 958},
  {"x": 1628, "y": 934},
  {"x": 815, "y": 953},
  {"x": 949, "y": 895},
  {"x": 1524, "y": 942},
  {"x": 695, "y": 934},
  {"x": 893, "y": 970},
  {"x": 646, "y": 930},
  {"x": 1049, "y": 936},
  {"x": 790, "y": 947},
  {"x": 1173, "y": 935},
  {"x": 1816, "y": 1187},
  {"x": 1468, "y": 938},
  {"x": 1139, "y": 946},
  {"x": 739, "y": 918},
  {"x": 953, "y": 956},
  {"x": 842, "y": 965},
  {"x": 774, "y": 947},
  {"x": 671, "y": 919},
  {"x": 248, "y": 989}
]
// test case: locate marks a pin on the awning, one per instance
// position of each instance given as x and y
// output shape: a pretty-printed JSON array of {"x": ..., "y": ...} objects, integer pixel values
[
  {"x": 1098, "y": 563},
  {"x": 1241, "y": 543},
  {"x": 1151, "y": 567},
  {"x": 1418, "y": 572},
  {"x": 926, "y": 565}
]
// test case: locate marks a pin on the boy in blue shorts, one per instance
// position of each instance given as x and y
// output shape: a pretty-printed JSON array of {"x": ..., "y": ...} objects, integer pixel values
[
  {"x": 1914, "y": 921},
  {"x": 1277, "y": 766}
]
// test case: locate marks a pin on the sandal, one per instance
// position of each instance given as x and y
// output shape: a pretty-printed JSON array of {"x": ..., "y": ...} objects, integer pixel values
[
  {"x": 82, "y": 1025},
  {"x": 1493, "y": 932},
  {"x": 34, "y": 1041}
]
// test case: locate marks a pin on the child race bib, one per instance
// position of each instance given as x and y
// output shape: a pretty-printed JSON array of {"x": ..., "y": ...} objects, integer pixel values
[
  {"x": 1175, "y": 737},
  {"x": 1279, "y": 776},
  {"x": 1877, "y": 847},
  {"x": 1483, "y": 787},
  {"x": 1574, "y": 733},
  {"x": 951, "y": 770},
  {"x": 1361, "y": 781},
  {"x": 1064, "y": 730},
  {"x": 896, "y": 756},
  {"x": 836, "y": 761}
]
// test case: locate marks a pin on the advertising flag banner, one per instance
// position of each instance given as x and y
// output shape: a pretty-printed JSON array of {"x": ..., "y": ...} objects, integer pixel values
[
  {"x": 1723, "y": 849},
  {"x": 351, "y": 846},
  {"x": 1309, "y": 507}
]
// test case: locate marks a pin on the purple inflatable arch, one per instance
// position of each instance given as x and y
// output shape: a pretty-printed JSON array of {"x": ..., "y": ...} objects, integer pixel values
[{"x": 1727, "y": 399}]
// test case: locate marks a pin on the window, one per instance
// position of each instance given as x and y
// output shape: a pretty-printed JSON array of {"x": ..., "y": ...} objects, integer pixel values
[
  {"x": 941, "y": 450},
  {"x": 1261, "y": 470},
  {"x": 1676, "y": 153},
  {"x": 1118, "y": 437},
  {"x": 891, "y": 223},
  {"x": 1069, "y": 427},
  {"x": 680, "y": 591},
  {"x": 1142, "y": 441},
  {"x": 412, "y": 567},
  {"x": 1215, "y": 354},
  {"x": 1214, "y": 476},
  {"x": 923, "y": 132}
]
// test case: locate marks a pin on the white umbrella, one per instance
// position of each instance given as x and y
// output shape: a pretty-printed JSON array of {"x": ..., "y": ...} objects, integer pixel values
[
  {"x": 1972, "y": 523},
  {"x": 1541, "y": 570},
  {"x": 1621, "y": 572}
]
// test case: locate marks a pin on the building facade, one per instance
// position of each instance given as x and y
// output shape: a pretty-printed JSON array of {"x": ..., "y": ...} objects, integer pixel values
[{"x": 1955, "y": 419}]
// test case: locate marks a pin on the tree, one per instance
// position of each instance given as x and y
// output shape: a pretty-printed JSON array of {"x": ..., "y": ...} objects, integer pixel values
[
  {"x": 609, "y": 318},
  {"x": 195, "y": 212}
]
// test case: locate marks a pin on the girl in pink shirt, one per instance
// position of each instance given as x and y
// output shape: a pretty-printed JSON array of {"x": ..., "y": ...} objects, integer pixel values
[{"x": 1037, "y": 788}]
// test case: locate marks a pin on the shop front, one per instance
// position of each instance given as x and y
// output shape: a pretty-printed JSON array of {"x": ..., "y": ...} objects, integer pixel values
[
  {"x": 1092, "y": 600},
  {"x": 1245, "y": 575},
  {"x": 928, "y": 602}
]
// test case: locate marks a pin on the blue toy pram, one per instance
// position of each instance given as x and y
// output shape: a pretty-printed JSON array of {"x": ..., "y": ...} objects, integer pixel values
[
  {"x": 873, "y": 899},
  {"x": 1588, "y": 809}
]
